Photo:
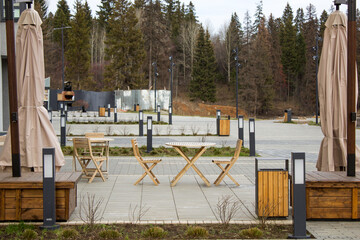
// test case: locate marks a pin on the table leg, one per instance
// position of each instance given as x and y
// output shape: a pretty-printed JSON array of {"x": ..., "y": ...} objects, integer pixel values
[{"x": 190, "y": 163}]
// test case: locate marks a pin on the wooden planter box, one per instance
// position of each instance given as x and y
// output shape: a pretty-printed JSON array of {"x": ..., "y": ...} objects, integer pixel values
[
  {"x": 332, "y": 195},
  {"x": 224, "y": 127},
  {"x": 22, "y": 198}
]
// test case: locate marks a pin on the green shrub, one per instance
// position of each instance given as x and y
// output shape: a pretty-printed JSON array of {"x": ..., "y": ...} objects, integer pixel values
[
  {"x": 68, "y": 233},
  {"x": 109, "y": 234},
  {"x": 18, "y": 229},
  {"x": 251, "y": 233},
  {"x": 29, "y": 234},
  {"x": 196, "y": 231},
  {"x": 155, "y": 232}
]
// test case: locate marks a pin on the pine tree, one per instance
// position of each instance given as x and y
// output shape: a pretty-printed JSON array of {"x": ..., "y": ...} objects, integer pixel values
[
  {"x": 78, "y": 52},
  {"x": 323, "y": 18},
  {"x": 157, "y": 39},
  {"x": 288, "y": 48},
  {"x": 61, "y": 19},
  {"x": 105, "y": 10},
  {"x": 259, "y": 16},
  {"x": 233, "y": 40},
  {"x": 202, "y": 85},
  {"x": 42, "y": 8},
  {"x": 275, "y": 63},
  {"x": 125, "y": 49},
  {"x": 308, "y": 92}
]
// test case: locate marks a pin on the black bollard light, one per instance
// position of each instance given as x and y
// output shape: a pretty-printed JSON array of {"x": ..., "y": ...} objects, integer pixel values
[
  {"x": 299, "y": 195},
  {"x": 141, "y": 123},
  {"x": 63, "y": 129},
  {"x": 115, "y": 114},
  {"x": 158, "y": 113},
  {"x": 149, "y": 134},
  {"x": 50, "y": 115},
  {"x": 134, "y": 107},
  {"x": 241, "y": 128},
  {"x": 170, "y": 114},
  {"x": 49, "y": 195},
  {"x": 218, "y": 116},
  {"x": 109, "y": 110},
  {"x": 252, "y": 136}
]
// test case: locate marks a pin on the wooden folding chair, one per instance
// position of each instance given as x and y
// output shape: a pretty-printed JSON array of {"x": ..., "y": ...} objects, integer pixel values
[
  {"x": 99, "y": 148},
  {"x": 229, "y": 164},
  {"x": 144, "y": 164},
  {"x": 83, "y": 153}
]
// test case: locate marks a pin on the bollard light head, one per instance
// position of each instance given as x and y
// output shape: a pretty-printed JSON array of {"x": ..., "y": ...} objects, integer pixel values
[
  {"x": 241, "y": 122},
  {"x": 48, "y": 162},
  {"x": 149, "y": 123},
  {"x": 62, "y": 120},
  {"x": 158, "y": 108},
  {"x": 50, "y": 115},
  {"x": 252, "y": 125},
  {"x": 65, "y": 107},
  {"x": 141, "y": 115},
  {"x": 299, "y": 174},
  {"x": 170, "y": 109}
]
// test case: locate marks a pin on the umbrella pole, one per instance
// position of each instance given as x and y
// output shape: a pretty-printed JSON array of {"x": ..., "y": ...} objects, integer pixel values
[
  {"x": 14, "y": 127},
  {"x": 351, "y": 91}
]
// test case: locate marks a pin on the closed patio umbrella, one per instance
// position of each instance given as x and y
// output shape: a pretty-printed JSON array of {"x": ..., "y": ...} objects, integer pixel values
[
  {"x": 35, "y": 129},
  {"x": 333, "y": 95}
]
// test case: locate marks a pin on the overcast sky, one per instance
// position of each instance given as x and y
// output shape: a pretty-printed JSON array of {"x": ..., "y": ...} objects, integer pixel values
[{"x": 214, "y": 13}]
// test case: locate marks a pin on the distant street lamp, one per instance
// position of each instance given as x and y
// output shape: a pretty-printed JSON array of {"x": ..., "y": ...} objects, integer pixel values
[
  {"x": 62, "y": 53},
  {"x": 155, "y": 75},
  {"x": 237, "y": 65},
  {"x": 316, "y": 58}
]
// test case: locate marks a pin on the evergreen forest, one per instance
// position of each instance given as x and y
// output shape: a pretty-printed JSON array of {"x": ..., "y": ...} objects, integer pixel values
[{"x": 116, "y": 48}]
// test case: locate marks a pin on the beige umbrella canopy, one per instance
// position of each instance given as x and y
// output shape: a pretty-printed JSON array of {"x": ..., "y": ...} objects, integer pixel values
[
  {"x": 333, "y": 95},
  {"x": 35, "y": 129}
]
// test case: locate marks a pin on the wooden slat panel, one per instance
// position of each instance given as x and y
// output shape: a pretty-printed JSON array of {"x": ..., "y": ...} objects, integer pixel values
[
  {"x": 37, "y": 214},
  {"x": 10, "y": 203},
  {"x": 38, "y": 203},
  {"x": 38, "y": 193},
  {"x": 9, "y": 193},
  {"x": 320, "y": 192},
  {"x": 273, "y": 193},
  {"x": 18, "y": 204},
  {"x": 354, "y": 209},
  {"x": 335, "y": 213},
  {"x": 329, "y": 202},
  {"x": 10, "y": 214},
  {"x": 2, "y": 204}
]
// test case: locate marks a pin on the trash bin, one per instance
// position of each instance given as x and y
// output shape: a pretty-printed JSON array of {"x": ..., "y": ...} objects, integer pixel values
[
  {"x": 272, "y": 190},
  {"x": 137, "y": 107},
  {"x": 102, "y": 112},
  {"x": 287, "y": 115},
  {"x": 224, "y": 127}
]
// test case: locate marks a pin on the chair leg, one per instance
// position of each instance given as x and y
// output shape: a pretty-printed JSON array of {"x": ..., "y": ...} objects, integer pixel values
[
  {"x": 225, "y": 171},
  {"x": 149, "y": 173},
  {"x": 97, "y": 170},
  {"x": 141, "y": 178},
  {"x": 220, "y": 177}
]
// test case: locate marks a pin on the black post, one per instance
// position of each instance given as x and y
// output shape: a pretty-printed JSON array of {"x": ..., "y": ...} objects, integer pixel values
[
  {"x": 141, "y": 123},
  {"x": 62, "y": 55},
  {"x": 63, "y": 129},
  {"x": 149, "y": 134},
  {"x": 218, "y": 116},
  {"x": 252, "y": 136},
  {"x": 134, "y": 107},
  {"x": 158, "y": 113},
  {"x": 109, "y": 110},
  {"x": 13, "y": 101},
  {"x": 317, "y": 71},
  {"x": 237, "y": 79},
  {"x": 155, "y": 75},
  {"x": 115, "y": 114},
  {"x": 241, "y": 128},
  {"x": 171, "y": 89},
  {"x": 49, "y": 196},
  {"x": 170, "y": 114},
  {"x": 299, "y": 195}
]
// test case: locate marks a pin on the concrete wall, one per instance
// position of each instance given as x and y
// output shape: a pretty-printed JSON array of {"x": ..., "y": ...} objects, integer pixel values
[{"x": 125, "y": 99}]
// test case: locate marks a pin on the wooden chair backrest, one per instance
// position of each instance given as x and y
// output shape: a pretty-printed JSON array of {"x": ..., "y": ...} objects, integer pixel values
[
  {"x": 84, "y": 144},
  {"x": 237, "y": 150},
  {"x": 136, "y": 150},
  {"x": 94, "y": 135}
]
